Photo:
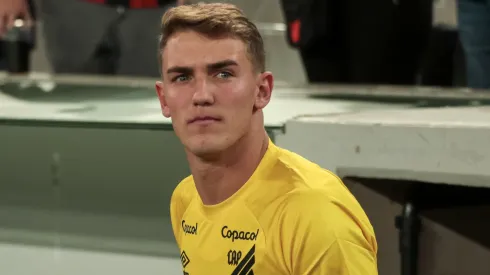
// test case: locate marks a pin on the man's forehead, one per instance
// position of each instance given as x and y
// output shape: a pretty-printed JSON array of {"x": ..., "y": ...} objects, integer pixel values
[
  {"x": 189, "y": 37},
  {"x": 193, "y": 49}
]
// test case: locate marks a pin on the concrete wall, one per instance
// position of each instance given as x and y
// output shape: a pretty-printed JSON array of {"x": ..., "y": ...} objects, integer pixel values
[{"x": 85, "y": 197}]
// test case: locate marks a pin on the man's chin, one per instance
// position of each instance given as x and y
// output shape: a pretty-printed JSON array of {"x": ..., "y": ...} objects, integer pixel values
[
  {"x": 207, "y": 154},
  {"x": 205, "y": 147}
]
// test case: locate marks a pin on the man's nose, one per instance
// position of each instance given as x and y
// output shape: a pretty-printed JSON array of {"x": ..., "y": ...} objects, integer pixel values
[{"x": 203, "y": 94}]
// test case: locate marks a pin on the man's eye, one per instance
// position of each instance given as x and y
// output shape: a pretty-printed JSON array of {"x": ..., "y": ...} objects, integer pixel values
[
  {"x": 180, "y": 78},
  {"x": 224, "y": 75}
]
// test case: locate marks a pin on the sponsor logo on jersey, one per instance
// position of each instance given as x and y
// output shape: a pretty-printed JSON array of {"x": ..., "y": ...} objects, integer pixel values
[
  {"x": 189, "y": 229},
  {"x": 238, "y": 235},
  {"x": 246, "y": 264}
]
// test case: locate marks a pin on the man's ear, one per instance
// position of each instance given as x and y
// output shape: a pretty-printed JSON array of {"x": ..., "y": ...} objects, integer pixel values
[
  {"x": 161, "y": 96},
  {"x": 265, "y": 86}
]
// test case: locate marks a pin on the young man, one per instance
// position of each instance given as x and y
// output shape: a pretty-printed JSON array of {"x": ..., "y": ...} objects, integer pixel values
[{"x": 249, "y": 207}]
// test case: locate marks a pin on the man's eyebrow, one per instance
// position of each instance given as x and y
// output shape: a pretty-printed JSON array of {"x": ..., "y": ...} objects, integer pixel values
[
  {"x": 221, "y": 64},
  {"x": 211, "y": 67},
  {"x": 180, "y": 69}
]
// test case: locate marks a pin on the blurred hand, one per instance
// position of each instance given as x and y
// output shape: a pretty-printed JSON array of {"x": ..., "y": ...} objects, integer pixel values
[
  {"x": 11, "y": 10},
  {"x": 179, "y": 2}
]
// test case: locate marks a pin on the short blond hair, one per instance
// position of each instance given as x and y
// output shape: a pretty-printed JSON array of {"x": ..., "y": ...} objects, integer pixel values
[{"x": 214, "y": 20}]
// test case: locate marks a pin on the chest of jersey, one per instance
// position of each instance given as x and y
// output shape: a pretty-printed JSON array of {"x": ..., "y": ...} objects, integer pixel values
[{"x": 233, "y": 243}]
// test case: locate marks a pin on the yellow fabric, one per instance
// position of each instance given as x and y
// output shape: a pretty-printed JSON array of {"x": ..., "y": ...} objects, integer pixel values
[{"x": 291, "y": 217}]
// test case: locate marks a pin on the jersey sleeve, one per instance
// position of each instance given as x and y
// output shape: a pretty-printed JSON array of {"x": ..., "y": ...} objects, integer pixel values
[{"x": 327, "y": 235}]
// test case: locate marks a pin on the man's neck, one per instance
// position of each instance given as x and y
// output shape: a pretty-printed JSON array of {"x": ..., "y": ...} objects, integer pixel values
[{"x": 217, "y": 181}]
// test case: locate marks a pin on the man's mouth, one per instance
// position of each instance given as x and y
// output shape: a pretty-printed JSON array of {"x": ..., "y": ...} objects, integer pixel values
[{"x": 203, "y": 120}]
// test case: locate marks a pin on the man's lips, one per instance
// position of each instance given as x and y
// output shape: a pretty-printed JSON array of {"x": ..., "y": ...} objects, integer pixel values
[{"x": 203, "y": 119}]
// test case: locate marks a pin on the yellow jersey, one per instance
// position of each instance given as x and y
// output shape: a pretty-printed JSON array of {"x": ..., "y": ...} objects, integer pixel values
[{"x": 290, "y": 217}]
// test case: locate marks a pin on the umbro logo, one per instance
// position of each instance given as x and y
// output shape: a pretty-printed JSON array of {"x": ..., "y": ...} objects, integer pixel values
[{"x": 184, "y": 259}]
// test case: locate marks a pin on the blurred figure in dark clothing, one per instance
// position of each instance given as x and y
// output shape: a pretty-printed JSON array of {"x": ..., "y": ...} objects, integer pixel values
[{"x": 358, "y": 41}]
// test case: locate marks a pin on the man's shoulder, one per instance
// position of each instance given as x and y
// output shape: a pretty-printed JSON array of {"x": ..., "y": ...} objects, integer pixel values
[
  {"x": 329, "y": 198},
  {"x": 184, "y": 192},
  {"x": 304, "y": 172},
  {"x": 316, "y": 194},
  {"x": 303, "y": 186},
  {"x": 338, "y": 213},
  {"x": 306, "y": 198}
]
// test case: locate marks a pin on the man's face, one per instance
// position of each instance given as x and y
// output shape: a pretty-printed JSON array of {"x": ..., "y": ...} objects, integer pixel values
[{"x": 210, "y": 90}]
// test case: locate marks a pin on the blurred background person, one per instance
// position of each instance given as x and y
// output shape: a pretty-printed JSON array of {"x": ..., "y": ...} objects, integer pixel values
[
  {"x": 359, "y": 42},
  {"x": 97, "y": 36},
  {"x": 351, "y": 41}
]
